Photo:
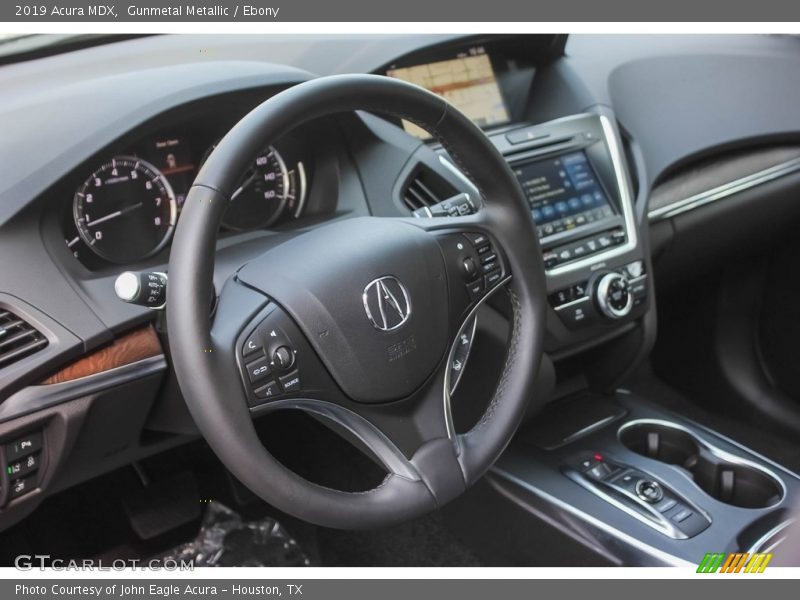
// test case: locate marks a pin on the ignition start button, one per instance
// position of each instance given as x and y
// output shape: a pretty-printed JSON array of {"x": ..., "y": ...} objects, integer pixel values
[{"x": 649, "y": 491}]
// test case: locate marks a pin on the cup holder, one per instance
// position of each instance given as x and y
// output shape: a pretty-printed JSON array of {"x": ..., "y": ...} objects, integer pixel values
[{"x": 722, "y": 476}]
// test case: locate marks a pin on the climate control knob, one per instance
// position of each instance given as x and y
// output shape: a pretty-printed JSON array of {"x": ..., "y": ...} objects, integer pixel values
[{"x": 613, "y": 296}]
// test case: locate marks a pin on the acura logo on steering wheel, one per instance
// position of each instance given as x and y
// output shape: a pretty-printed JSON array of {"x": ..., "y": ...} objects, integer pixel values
[{"x": 386, "y": 303}]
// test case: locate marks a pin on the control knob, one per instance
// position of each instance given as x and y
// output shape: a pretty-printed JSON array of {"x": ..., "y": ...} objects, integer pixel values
[{"x": 613, "y": 296}]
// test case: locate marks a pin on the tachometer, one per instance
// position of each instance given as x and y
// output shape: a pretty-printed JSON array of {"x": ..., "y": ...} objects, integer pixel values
[{"x": 126, "y": 210}]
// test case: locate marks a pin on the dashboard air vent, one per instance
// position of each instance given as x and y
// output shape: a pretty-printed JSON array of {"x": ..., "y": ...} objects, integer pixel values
[
  {"x": 18, "y": 338},
  {"x": 425, "y": 188}
]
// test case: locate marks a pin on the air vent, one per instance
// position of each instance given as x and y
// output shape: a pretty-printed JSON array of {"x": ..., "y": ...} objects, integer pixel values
[
  {"x": 425, "y": 188},
  {"x": 17, "y": 338}
]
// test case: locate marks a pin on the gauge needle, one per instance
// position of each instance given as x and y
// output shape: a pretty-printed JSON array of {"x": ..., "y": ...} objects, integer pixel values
[
  {"x": 246, "y": 182},
  {"x": 113, "y": 215}
]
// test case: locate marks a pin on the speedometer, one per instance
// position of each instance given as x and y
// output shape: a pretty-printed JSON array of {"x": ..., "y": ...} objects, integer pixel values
[
  {"x": 262, "y": 194},
  {"x": 126, "y": 210}
]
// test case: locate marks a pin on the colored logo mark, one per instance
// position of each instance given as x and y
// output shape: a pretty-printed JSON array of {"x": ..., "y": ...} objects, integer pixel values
[{"x": 735, "y": 562}]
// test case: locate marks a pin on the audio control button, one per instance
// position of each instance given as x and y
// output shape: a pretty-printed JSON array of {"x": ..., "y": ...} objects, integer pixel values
[{"x": 283, "y": 357}]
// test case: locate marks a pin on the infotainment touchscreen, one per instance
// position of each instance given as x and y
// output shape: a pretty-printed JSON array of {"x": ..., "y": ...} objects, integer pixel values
[
  {"x": 468, "y": 81},
  {"x": 563, "y": 192}
]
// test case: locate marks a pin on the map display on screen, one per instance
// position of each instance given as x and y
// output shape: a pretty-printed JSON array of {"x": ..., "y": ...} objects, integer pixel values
[{"x": 468, "y": 82}]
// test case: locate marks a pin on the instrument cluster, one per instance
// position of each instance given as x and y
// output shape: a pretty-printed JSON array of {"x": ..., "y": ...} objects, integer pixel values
[{"x": 127, "y": 205}]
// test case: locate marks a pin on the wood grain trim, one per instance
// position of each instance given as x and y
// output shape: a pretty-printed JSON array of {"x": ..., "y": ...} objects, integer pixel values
[{"x": 131, "y": 347}]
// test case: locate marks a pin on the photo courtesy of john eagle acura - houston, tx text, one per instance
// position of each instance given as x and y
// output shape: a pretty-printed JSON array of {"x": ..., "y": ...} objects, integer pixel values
[{"x": 399, "y": 300}]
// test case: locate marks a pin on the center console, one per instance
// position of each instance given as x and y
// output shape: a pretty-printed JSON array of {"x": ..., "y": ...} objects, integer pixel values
[{"x": 619, "y": 480}]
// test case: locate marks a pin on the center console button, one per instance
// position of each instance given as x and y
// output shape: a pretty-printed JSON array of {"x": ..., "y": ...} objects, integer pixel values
[
  {"x": 649, "y": 491},
  {"x": 681, "y": 515},
  {"x": 666, "y": 505},
  {"x": 577, "y": 313}
]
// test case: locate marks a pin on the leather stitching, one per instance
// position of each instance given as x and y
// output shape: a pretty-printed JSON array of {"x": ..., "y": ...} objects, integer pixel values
[{"x": 511, "y": 358}]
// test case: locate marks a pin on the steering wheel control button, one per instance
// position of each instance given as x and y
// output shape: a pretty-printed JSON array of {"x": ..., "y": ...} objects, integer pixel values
[
  {"x": 290, "y": 382},
  {"x": 252, "y": 344},
  {"x": 258, "y": 370},
  {"x": 270, "y": 390},
  {"x": 283, "y": 358},
  {"x": 475, "y": 289},
  {"x": 479, "y": 240},
  {"x": 459, "y": 353},
  {"x": 493, "y": 279},
  {"x": 469, "y": 267},
  {"x": 649, "y": 491}
]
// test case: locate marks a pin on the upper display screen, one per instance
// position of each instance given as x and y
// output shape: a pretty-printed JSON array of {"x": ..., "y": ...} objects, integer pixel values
[{"x": 467, "y": 81}]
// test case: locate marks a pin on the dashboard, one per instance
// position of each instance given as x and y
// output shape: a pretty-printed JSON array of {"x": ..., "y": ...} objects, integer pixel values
[{"x": 626, "y": 149}]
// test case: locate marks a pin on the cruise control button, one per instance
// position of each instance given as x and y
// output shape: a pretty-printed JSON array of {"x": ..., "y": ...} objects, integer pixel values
[
  {"x": 258, "y": 370},
  {"x": 492, "y": 278},
  {"x": 469, "y": 268},
  {"x": 489, "y": 266},
  {"x": 291, "y": 382},
  {"x": 477, "y": 239}
]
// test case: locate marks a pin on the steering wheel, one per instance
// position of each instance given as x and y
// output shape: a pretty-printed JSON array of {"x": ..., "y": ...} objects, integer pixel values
[{"x": 357, "y": 321}]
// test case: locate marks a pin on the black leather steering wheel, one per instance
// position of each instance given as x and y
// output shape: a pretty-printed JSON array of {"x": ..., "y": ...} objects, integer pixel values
[{"x": 355, "y": 320}]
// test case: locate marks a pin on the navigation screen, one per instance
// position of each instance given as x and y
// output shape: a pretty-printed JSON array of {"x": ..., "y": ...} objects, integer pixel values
[
  {"x": 563, "y": 193},
  {"x": 468, "y": 82}
]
